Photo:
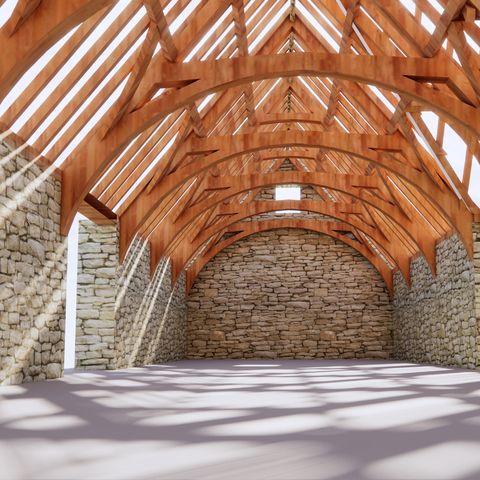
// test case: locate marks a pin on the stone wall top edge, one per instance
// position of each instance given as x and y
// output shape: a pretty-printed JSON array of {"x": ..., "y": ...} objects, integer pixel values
[{"x": 12, "y": 142}]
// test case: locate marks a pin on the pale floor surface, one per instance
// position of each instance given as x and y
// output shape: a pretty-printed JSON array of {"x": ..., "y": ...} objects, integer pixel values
[{"x": 246, "y": 419}]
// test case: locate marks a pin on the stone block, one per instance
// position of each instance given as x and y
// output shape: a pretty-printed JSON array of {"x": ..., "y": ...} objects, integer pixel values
[
  {"x": 87, "y": 314},
  {"x": 54, "y": 370},
  {"x": 217, "y": 336}
]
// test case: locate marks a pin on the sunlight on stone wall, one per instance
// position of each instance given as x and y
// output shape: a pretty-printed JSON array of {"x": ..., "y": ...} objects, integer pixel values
[
  {"x": 33, "y": 258},
  {"x": 123, "y": 318},
  {"x": 437, "y": 321}
]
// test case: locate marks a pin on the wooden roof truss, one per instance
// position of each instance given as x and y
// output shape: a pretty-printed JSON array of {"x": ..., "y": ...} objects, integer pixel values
[{"x": 174, "y": 114}]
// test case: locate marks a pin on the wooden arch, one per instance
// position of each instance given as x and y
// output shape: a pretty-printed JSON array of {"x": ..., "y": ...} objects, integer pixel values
[
  {"x": 327, "y": 228},
  {"x": 187, "y": 251},
  {"x": 162, "y": 238},
  {"x": 364, "y": 147},
  {"x": 171, "y": 164},
  {"x": 394, "y": 75}
]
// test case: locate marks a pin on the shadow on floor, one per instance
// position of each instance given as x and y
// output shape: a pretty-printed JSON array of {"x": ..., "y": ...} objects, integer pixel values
[{"x": 246, "y": 419}]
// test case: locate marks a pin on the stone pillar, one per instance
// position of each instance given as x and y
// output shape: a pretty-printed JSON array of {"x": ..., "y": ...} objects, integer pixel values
[
  {"x": 96, "y": 290},
  {"x": 33, "y": 264},
  {"x": 124, "y": 318}
]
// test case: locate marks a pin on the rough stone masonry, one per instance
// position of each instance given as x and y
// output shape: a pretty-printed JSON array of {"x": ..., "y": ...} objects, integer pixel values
[
  {"x": 438, "y": 320},
  {"x": 289, "y": 293},
  {"x": 124, "y": 319},
  {"x": 33, "y": 264}
]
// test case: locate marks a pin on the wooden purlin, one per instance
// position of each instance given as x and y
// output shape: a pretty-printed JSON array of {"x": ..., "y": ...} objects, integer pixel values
[
  {"x": 353, "y": 6},
  {"x": 242, "y": 46},
  {"x": 452, "y": 9},
  {"x": 48, "y": 24},
  {"x": 248, "y": 77},
  {"x": 157, "y": 17}
]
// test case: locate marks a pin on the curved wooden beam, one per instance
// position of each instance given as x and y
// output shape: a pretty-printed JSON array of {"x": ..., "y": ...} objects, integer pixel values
[
  {"x": 401, "y": 75},
  {"x": 48, "y": 24},
  {"x": 361, "y": 146},
  {"x": 186, "y": 250},
  {"x": 352, "y": 185},
  {"x": 248, "y": 229}
]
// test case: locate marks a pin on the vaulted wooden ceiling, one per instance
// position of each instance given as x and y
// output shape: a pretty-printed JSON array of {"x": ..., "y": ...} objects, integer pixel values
[{"x": 174, "y": 114}]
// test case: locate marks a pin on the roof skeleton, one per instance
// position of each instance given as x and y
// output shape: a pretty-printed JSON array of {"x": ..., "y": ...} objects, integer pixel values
[{"x": 171, "y": 153}]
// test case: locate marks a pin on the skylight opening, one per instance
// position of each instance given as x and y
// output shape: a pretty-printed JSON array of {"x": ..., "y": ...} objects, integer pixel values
[
  {"x": 268, "y": 27},
  {"x": 32, "y": 73},
  {"x": 325, "y": 18},
  {"x": 219, "y": 39},
  {"x": 427, "y": 24},
  {"x": 268, "y": 93},
  {"x": 431, "y": 121},
  {"x": 159, "y": 92},
  {"x": 205, "y": 102},
  {"x": 287, "y": 193},
  {"x": 473, "y": 189},
  {"x": 456, "y": 150},
  {"x": 77, "y": 87},
  {"x": 209, "y": 34},
  {"x": 191, "y": 6},
  {"x": 317, "y": 26},
  {"x": 409, "y": 5},
  {"x": 383, "y": 98},
  {"x": 146, "y": 172},
  {"x": 86, "y": 45},
  {"x": 6, "y": 11},
  {"x": 312, "y": 92},
  {"x": 472, "y": 43},
  {"x": 373, "y": 21},
  {"x": 436, "y": 6},
  {"x": 91, "y": 123},
  {"x": 455, "y": 57}
]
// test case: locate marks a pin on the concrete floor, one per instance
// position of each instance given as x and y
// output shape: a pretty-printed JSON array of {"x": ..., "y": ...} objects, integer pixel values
[{"x": 238, "y": 419}]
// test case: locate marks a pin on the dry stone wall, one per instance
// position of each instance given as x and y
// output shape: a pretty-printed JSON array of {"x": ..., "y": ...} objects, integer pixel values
[
  {"x": 289, "y": 293},
  {"x": 151, "y": 319},
  {"x": 33, "y": 258},
  {"x": 96, "y": 293},
  {"x": 123, "y": 318},
  {"x": 437, "y": 320},
  {"x": 476, "y": 266}
]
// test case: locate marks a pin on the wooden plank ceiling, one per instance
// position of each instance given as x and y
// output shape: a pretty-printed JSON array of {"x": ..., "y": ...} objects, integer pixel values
[{"x": 174, "y": 114}]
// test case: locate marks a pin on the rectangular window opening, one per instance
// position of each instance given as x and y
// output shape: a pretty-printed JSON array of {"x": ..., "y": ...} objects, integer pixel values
[{"x": 287, "y": 193}]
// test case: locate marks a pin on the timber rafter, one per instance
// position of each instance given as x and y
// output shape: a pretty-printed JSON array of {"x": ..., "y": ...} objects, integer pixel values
[{"x": 175, "y": 118}]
